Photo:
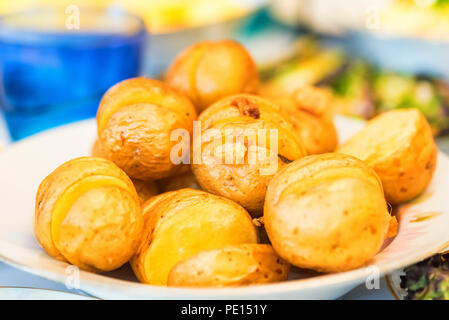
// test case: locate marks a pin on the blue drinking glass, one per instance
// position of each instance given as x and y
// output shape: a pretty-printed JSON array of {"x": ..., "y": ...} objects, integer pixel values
[{"x": 56, "y": 64}]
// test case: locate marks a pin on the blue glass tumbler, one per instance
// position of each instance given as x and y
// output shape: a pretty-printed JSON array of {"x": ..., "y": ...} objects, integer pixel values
[{"x": 56, "y": 64}]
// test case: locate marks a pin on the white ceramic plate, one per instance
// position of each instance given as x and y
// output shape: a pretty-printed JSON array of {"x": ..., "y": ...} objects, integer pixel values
[{"x": 423, "y": 228}]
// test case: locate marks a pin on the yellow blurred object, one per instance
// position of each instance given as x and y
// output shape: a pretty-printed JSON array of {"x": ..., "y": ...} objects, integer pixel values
[
  {"x": 159, "y": 16},
  {"x": 168, "y": 15},
  {"x": 417, "y": 18},
  {"x": 12, "y": 6}
]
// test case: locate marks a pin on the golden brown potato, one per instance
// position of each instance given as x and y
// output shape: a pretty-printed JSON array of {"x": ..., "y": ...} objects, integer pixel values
[
  {"x": 88, "y": 213},
  {"x": 237, "y": 265},
  {"x": 211, "y": 70},
  {"x": 145, "y": 189},
  {"x": 310, "y": 111},
  {"x": 179, "y": 224},
  {"x": 182, "y": 181},
  {"x": 326, "y": 212},
  {"x": 399, "y": 146},
  {"x": 135, "y": 121},
  {"x": 239, "y": 164}
]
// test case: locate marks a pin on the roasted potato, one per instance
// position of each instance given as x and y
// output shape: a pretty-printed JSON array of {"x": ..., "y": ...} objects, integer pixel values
[
  {"x": 237, "y": 265},
  {"x": 135, "y": 122},
  {"x": 211, "y": 70},
  {"x": 326, "y": 212},
  {"x": 180, "y": 224},
  {"x": 145, "y": 189},
  {"x": 399, "y": 146},
  {"x": 310, "y": 111},
  {"x": 236, "y": 165},
  {"x": 88, "y": 213},
  {"x": 181, "y": 181}
]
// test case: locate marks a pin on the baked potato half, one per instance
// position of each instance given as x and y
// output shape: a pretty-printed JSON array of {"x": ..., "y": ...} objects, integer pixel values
[
  {"x": 399, "y": 146},
  {"x": 211, "y": 70},
  {"x": 180, "y": 224},
  {"x": 327, "y": 213},
  {"x": 135, "y": 122},
  {"x": 237, "y": 265},
  {"x": 244, "y": 141},
  {"x": 88, "y": 213}
]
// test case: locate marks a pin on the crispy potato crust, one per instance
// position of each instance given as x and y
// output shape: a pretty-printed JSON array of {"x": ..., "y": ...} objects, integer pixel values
[
  {"x": 179, "y": 224},
  {"x": 237, "y": 265},
  {"x": 135, "y": 121},
  {"x": 211, "y": 70},
  {"x": 326, "y": 212},
  {"x": 101, "y": 227},
  {"x": 399, "y": 146},
  {"x": 239, "y": 179}
]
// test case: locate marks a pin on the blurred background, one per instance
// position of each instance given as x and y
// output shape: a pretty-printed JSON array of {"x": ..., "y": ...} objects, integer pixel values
[{"x": 58, "y": 57}]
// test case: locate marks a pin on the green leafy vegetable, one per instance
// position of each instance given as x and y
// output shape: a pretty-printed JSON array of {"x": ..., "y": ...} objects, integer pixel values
[{"x": 428, "y": 280}]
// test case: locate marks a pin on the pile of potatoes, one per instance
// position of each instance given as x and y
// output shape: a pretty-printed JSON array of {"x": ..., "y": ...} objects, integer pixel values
[{"x": 201, "y": 221}]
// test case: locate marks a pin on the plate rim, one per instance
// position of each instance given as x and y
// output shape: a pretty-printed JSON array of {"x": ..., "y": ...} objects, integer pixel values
[{"x": 352, "y": 277}]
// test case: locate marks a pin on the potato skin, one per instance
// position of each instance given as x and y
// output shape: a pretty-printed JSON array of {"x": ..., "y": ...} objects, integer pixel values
[
  {"x": 399, "y": 146},
  {"x": 97, "y": 150},
  {"x": 310, "y": 111},
  {"x": 326, "y": 212},
  {"x": 135, "y": 120},
  {"x": 182, "y": 181},
  {"x": 179, "y": 224},
  {"x": 211, "y": 70},
  {"x": 245, "y": 182},
  {"x": 145, "y": 189},
  {"x": 237, "y": 265},
  {"x": 101, "y": 229}
]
